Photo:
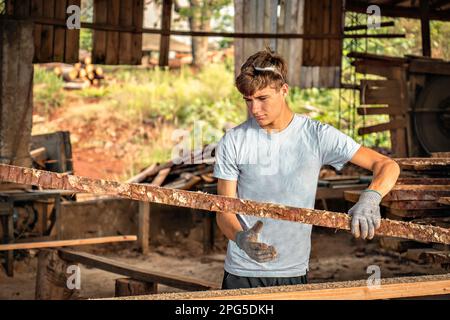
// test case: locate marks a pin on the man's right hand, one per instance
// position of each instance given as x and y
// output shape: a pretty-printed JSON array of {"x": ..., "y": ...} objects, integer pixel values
[{"x": 248, "y": 241}]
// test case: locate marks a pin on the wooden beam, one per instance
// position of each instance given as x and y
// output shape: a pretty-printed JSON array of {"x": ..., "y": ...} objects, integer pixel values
[
  {"x": 394, "y": 124},
  {"x": 65, "y": 243},
  {"x": 425, "y": 27},
  {"x": 133, "y": 272},
  {"x": 390, "y": 288},
  {"x": 210, "y": 202},
  {"x": 367, "y": 111},
  {"x": 164, "y": 44},
  {"x": 396, "y": 11}
]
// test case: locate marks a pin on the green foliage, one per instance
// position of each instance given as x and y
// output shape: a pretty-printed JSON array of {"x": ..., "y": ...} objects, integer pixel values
[
  {"x": 48, "y": 90},
  {"x": 86, "y": 39}
]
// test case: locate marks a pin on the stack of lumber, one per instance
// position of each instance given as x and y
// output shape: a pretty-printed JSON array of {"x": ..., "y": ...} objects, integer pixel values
[
  {"x": 194, "y": 172},
  {"x": 420, "y": 196},
  {"x": 81, "y": 74}
]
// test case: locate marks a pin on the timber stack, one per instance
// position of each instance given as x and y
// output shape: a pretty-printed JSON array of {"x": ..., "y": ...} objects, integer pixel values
[{"x": 421, "y": 196}]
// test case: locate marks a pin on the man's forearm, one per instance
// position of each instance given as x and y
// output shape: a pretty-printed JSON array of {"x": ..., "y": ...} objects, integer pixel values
[
  {"x": 228, "y": 224},
  {"x": 385, "y": 175}
]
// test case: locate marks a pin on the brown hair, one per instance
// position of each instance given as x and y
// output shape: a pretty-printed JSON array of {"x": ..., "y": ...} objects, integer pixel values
[{"x": 262, "y": 69}]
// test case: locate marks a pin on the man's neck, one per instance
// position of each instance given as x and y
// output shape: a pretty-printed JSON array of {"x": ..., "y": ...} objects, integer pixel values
[{"x": 282, "y": 122}]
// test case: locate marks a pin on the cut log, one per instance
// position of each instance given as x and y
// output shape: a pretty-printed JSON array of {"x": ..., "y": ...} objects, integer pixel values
[{"x": 209, "y": 202}]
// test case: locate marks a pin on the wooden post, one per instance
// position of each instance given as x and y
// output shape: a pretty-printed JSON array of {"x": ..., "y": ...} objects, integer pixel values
[
  {"x": 164, "y": 44},
  {"x": 144, "y": 226},
  {"x": 52, "y": 277},
  {"x": 425, "y": 27},
  {"x": 126, "y": 287},
  {"x": 16, "y": 91}
]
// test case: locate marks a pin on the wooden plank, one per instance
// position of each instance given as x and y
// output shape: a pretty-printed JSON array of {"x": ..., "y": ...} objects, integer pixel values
[
  {"x": 22, "y": 8},
  {"x": 112, "y": 37},
  {"x": 444, "y": 200},
  {"x": 210, "y": 202},
  {"x": 433, "y": 67},
  {"x": 100, "y": 37},
  {"x": 296, "y": 45},
  {"x": 424, "y": 181},
  {"x": 423, "y": 163},
  {"x": 125, "y": 38},
  {"x": 66, "y": 243},
  {"x": 239, "y": 43},
  {"x": 138, "y": 21},
  {"x": 367, "y": 111},
  {"x": 46, "y": 49},
  {"x": 36, "y": 11},
  {"x": 144, "y": 226},
  {"x": 390, "y": 288},
  {"x": 72, "y": 47},
  {"x": 133, "y": 272},
  {"x": 59, "y": 40},
  {"x": 164, "y": 44},
  {"x": 337, "y": 14},
  {"x": 425, "y": 27},
  {"x": 395, "y": 124}
]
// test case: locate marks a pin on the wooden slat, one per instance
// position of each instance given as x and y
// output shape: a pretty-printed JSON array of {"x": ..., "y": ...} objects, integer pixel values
[
  {"x": 66, "y": 243},
  {"x": 138, "y": 20},
  {"x": 133, "y": 272},
  {"x": 337, "y": 14},
  {"x": 112, "y": 38},
  {"x": 59, "y": 39},
  {"x": 46, "y": 50},
  {"x": 444, "y": 200},
  {"x": 239, "y": 44},
  {"x": 164, "y": 44},
  {"x": 22, "y": 8},
  {"x": 395, "y": 124},
  {"x": 365, "y": 110},
  {"x": 36, "y": 11},
  {"x": 72, "y": 47},
  {"x": 125, "y": 38},
  {"x": 99, "y": 37}
]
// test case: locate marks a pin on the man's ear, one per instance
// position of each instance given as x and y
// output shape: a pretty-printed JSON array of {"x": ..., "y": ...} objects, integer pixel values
[{"x": 285, "y": 89}]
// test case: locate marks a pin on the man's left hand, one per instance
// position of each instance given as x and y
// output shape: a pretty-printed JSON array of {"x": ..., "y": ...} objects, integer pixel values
[{"x": 365, "y": 214}]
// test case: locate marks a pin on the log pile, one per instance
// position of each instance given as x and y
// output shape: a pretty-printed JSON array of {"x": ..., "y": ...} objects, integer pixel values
[
  {"x": 420, "y": 196},
  {"x": 81, "y": 74},
  {"x": 194, "y": 172}
]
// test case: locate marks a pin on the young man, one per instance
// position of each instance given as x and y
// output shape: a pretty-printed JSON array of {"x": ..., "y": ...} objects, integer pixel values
[{"x": 275, "y": 156}]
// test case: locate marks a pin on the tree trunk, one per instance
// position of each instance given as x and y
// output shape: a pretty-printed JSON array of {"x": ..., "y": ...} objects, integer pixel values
[{"x": 199, "y": 20}]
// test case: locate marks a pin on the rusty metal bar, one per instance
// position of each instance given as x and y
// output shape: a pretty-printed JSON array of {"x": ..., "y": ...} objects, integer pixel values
[{"x": 209, "y": 202}]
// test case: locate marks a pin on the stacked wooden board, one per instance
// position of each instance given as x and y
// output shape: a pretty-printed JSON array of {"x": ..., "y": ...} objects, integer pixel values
[
  {"x": 52, "y": 43},
  {"x": 420, "y": 196}
]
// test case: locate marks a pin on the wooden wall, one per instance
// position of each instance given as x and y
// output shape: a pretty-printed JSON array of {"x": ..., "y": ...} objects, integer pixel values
[
  {"x": 51, "y": 43},
  {"x": 112, "y": 47},
  {"x": 311, "y": 63}
]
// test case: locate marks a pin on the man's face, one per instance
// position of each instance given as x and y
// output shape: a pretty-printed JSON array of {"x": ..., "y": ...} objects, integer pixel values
[{"x": 266, "y": 105}]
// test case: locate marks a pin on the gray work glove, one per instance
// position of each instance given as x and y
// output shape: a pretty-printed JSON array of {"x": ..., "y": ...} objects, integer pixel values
[
  {"x": 248, "y": 241},
  {"x": 366, "y": 214}
]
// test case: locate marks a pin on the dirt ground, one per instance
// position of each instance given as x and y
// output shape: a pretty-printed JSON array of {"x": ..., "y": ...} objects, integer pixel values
[{"x": 335, "y": 256}]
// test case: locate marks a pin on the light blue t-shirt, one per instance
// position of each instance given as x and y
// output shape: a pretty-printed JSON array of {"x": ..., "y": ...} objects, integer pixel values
[{"x": 281, "y": 167}]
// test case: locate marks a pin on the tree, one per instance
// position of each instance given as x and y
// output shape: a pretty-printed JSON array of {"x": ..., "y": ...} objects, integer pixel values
[{"x": 199, "y": 14}]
